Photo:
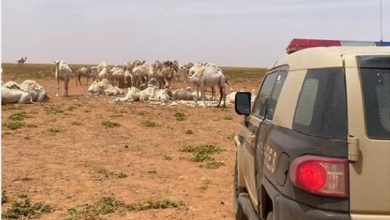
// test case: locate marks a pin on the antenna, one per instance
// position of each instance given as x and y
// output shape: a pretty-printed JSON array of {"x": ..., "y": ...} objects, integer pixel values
[{"x": 381, "y": 22}]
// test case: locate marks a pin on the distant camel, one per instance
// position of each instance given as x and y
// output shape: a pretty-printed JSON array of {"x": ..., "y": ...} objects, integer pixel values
[{"x": 22, "y": 60}]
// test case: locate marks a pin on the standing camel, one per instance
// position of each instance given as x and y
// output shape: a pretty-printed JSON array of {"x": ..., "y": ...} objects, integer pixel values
[
  {"x": 206, "y": 76},
  {"x": 22, "y": 60},
  {"x": 62, "y": 72},
  {"x": 83, "y": 72}
]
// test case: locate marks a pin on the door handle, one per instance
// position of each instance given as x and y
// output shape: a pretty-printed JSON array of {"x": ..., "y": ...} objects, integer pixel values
[{"x": 353, "y": 149}]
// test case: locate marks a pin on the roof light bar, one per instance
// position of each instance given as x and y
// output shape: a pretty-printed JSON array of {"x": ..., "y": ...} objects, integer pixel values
[{"x": 299, "y": 44}]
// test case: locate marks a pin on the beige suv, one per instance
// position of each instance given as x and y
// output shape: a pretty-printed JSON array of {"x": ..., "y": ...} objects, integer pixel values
[{"x": 315, "y": 144}]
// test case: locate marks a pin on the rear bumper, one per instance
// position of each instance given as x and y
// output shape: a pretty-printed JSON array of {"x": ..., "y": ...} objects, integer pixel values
[{"x": 285, "y": 208}]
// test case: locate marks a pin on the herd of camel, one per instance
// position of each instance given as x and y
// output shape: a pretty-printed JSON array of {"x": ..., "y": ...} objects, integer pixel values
[{"x": 139, "y": 75}]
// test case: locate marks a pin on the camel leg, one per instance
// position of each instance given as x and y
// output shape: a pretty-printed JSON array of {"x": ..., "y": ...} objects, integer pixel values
[
  {"x": 79, "y": 78},
  {"x": 197, "y": 95},
  {"x": 58, "y": 86},
  {"x": 66, "y": 83},
  {"x": 212, "y": 93},
  {"x": 220, "y": 97},
  {"x": 203, "y": 94}
]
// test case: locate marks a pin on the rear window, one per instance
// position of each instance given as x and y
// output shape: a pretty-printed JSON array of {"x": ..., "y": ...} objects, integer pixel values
[
  {"x": 375, "y": 75},
  {"x": 321, "y": 110}
]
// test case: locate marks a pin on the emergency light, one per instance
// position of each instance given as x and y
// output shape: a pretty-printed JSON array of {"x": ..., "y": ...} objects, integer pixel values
[{"x": 299, "y": 44}]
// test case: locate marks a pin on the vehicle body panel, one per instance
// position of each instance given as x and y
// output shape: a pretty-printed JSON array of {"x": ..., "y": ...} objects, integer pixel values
[{"x": 370, "y": 174}]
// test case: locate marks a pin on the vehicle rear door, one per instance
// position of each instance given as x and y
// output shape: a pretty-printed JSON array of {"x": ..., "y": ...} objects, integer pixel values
[{"x": 368, "y": 90}]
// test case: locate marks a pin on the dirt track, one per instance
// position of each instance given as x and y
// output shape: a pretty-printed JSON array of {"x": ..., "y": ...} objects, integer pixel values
[{"x": 56, "y": 157}]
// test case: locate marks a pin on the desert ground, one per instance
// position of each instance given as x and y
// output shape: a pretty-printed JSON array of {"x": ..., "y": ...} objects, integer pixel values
[{"x": 85, "y": 157}]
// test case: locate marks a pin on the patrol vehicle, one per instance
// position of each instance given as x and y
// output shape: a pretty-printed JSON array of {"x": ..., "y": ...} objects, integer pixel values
[{"x": 315, "y": 144}]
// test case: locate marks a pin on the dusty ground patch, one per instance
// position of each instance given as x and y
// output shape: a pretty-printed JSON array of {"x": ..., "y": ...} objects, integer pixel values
[{"x": 58, "y": 150}]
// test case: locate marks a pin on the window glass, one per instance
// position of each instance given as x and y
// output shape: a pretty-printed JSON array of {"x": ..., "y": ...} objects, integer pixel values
[
  {"x": 271, "y": 105},
  {"x": 305, "y": 108},
  {"x": 321, "y": 110},
  {"x": 375, "y": 74},
  {"x": 264, "y": 93}
]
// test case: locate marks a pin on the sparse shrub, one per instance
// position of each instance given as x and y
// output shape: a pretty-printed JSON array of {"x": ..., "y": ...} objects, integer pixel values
[
  {"x": 106, "y": 205},
  {"x": 213, "y": 164},
  {"x": 54, "y": 130},
  {"x": 167, "y": 157},
  {"x": 18, "y": 116},
  {"x": 154, "y": 204},
  {"x": 23, "y": 208},
  {"x": 110, "y": 124},
  {"x": 189, "y": 132},
  {"x": 76, "y": 123},
  {"x": 230, "y": 137},
  {"x": 207, "y": 148},
  {"x": 4, "y": 197},
  {"x": 53, "y": 110},
  {"x": 201, "y": 156},
  {"x": 149, "y": 124},
  {"x": 73, "y": 107},
  {"x": 205, "y": 183},
  {"x": 31, "y": 126},
  {"x": 151, "y": 171},
  {"x": 103, "y": 174},
  {"x": 203, "y": 153},
  {"x": 180, "y": 116},
  {"x": 228, "y": 118},
  {"x": 13, "y": 125},
  {"x": 84, "y": 211}
]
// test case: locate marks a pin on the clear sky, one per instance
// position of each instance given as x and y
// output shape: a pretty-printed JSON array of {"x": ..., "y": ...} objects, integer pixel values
[{"x": 225, "y": 32}]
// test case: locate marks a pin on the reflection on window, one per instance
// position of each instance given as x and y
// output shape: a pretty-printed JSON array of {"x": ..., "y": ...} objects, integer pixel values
[
  {"x": 265, "y": 92},
  {"x": 304, "y": 113},
  {"x": 375, "y": 74},
  {"x": 321, "y": 110},
  {"x": 383, "y": 97}
]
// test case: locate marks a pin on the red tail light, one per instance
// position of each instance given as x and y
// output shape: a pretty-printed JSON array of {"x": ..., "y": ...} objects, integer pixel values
[{"x": 320, "y": 175}]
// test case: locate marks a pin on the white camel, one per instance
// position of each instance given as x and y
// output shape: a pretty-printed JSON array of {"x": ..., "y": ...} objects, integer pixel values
[
  {"x": 208, "y": 76},
  {"x": 37, "y": 92},
  {"x": 11, "y": 93},
  {"x": 62, "y": 72}
]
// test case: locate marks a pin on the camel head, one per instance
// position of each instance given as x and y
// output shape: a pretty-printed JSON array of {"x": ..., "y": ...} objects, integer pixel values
[{"x": 57, "y": 64}]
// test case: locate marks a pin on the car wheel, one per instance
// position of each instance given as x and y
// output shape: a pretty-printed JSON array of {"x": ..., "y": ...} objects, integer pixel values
[{"x": 238, "y": 212}]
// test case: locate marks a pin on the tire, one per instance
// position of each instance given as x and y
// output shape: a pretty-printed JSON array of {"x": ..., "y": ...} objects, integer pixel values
[
  {"x": 237, "y": 190},
  {"x": 270, "y": 216}
]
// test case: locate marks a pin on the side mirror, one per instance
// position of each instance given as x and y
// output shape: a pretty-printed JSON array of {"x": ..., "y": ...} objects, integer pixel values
[{"x": 242, "y": 103}]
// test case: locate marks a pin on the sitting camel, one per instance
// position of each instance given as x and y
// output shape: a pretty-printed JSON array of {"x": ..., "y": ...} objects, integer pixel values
[{"x": 11, "y": 93}]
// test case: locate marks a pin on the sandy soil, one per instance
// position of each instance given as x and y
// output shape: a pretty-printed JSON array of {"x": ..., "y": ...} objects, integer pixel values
[{"x": 54, "y": 159}]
